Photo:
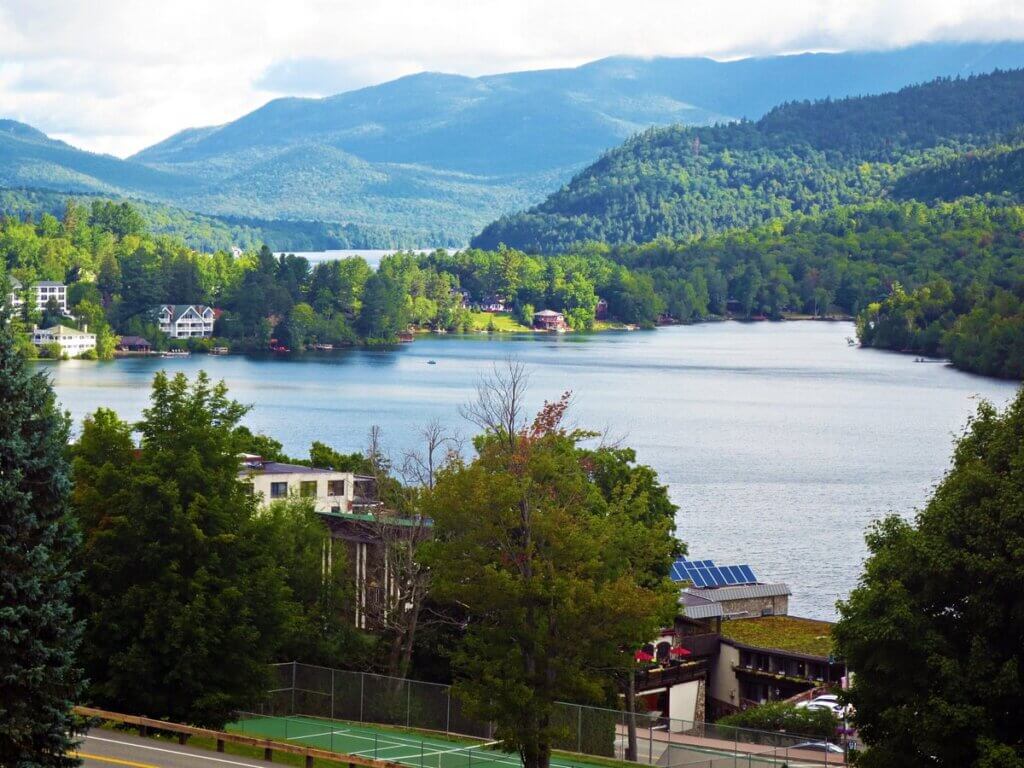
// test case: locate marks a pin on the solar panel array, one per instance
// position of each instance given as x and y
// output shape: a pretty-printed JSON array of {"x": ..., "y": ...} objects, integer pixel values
[{"x": 704, "y": 573}]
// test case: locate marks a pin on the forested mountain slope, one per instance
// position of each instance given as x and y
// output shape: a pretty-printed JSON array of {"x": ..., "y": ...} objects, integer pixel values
[{"x": 799, "y": 158}]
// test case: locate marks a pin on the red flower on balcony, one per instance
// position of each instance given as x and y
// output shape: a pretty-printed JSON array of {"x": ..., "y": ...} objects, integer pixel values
[
  {"x": 680, "y": 651},
  {"x": 643, "y": 656}
]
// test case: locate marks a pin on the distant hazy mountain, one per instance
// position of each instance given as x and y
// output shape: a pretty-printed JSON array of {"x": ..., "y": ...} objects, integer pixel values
[
  {"x": 434, "y": 157},
  {"x": 922, "y": 141}
]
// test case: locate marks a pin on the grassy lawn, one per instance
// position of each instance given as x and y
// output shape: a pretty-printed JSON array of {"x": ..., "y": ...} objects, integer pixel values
[{"x": 504, "y": 322}]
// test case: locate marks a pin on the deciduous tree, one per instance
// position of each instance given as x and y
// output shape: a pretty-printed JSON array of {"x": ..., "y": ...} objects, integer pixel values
[{"x": 935, "y": 629}]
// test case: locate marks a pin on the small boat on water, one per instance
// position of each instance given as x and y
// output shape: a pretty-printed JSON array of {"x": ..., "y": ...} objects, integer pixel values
[
  {"x": 431, "y": 362},
  {"x": 851, "y": 342},
  {"x": 176, "y": 353},
  {"x": 219, "y": 351},
  {"x": 323, "y": 347}
]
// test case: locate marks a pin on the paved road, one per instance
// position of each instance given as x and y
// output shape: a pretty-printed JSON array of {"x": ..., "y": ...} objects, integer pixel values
[{"x": 109, "y": 749}]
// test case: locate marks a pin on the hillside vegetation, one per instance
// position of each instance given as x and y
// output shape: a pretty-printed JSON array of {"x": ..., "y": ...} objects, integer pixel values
[
  {"x": 430, "y": 159},
  {"x": 799, "y": 158}
]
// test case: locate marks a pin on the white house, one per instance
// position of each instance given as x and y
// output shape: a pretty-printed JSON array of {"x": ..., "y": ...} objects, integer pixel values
[
  {"x": 72, "y": 342},
  {"x": 14, "y": 299},
  {"x": 334, "y": 492},
  {"x": 43, "y": 291},
  {"x": 50, "y": 289},
  {"x": 185, "y": 321}
]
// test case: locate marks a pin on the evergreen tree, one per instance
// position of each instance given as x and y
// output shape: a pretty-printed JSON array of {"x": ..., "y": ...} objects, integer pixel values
[
  {"x": 935, "y": 629},
  {"x": 39, "y": 677}
]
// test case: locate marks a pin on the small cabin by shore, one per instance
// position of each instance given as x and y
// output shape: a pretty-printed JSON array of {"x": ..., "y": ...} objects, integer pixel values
[{"x": 549, "y": 320}]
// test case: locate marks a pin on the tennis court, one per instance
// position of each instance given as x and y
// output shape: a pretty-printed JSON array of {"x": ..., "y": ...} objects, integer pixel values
[{"x": 411, "y": 749}]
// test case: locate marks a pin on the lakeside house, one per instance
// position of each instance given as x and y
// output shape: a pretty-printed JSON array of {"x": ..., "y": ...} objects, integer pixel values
[
  {"x": 72, "y": 342},
  {"x": 42, "y": 292},
  {"x": 549, "y": 320},
  {"x": 601, "y": 310},
  {"x": 185, "y": 321},
  {"x": 493, "y": 304},
  {"x": 740, "y": 627},
  {"x": 134, "y": 344}
]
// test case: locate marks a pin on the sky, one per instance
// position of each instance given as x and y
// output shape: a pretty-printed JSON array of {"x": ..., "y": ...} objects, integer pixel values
[{"x": 118, "y": 75}]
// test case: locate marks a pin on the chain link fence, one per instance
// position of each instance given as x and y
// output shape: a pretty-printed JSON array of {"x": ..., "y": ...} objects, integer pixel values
[{"x": 311, "y": 691}]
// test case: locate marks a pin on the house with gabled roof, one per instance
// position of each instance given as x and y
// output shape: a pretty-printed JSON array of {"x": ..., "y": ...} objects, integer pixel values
[{"x": 185, "y": 321}]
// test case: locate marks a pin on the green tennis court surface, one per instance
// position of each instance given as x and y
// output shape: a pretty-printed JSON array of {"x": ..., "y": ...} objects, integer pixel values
[
  {"x": 416, "y": 751},
  {"x": 384, "y": 744}
]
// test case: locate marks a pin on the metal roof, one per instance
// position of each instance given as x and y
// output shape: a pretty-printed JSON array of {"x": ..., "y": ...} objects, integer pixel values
[
  {"x": 742, "y": 592},
  {"x": 698, "y": 607}
]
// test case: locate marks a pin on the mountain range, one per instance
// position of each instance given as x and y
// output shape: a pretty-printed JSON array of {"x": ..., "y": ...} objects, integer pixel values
[
  {"x": 936, "y": 141},
  {"x": 429, "y": 159}
]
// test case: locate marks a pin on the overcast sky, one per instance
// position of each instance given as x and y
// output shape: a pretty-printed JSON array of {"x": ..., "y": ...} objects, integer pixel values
[{"x": 117, "y": 75}]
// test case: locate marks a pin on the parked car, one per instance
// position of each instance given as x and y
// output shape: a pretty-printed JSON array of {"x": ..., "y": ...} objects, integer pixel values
[
  {"x": 819, "y": 746},
  {"x": 827, "y": 701}
]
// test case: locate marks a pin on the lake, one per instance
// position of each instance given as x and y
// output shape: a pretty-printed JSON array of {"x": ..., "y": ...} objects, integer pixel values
[
  {"x": 780, "y": 442},
  {"x": 372, "y": 256}
]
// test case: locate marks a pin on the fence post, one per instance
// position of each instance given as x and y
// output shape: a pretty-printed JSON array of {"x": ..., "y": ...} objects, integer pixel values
[
  {"x": 448, "y": 715},
  {"x": 332, "y": 696},
  {"x": 579, "y": 730},
  {"x": 295, "y": 665},
  {"x": 362, "y": 686},
  {"x": 408, "y": 702}
]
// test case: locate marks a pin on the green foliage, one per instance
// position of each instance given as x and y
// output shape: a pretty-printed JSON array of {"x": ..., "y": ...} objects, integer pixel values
[
  {"x": 527, "y": 543},
  {"x": 935, "y": 627},
  {"x": 40, "y": 678},
  {"x": 183, "y": 608},
  {"x": 52, "y": 351},
  {"x": 783, "y": 716},
  {"x": 799, "y": 158}
]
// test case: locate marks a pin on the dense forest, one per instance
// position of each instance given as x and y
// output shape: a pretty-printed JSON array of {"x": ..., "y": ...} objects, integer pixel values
[
  {"x": 118, "y": 272},
  {"x": 799, "y": 158},
  {"x": 940, "y": 279},
  {"x": 214, "y": 233}
]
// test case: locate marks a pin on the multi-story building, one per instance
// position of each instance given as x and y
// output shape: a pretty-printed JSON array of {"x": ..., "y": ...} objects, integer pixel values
[
  {"x": 50, "y": 289},
  {"x": 772, "y": 658},
  {"x": 333, "y": 492},
  {"x": 42, "y": 292},
  {"x": 72, "y": 341},
  {"x": 14, "y": 298},
  {"x": 185, "y": 321}
]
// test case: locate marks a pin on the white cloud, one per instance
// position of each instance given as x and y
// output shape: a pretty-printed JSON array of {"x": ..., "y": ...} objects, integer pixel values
[{"x": 117, "y": 75}]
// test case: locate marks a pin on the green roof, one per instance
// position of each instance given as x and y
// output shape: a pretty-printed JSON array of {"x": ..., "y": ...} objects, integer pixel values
[{"x": 783, "y": 633}]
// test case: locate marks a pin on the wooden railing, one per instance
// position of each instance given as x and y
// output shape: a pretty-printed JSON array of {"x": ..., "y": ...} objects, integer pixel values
[{"x": 221, "y": 738}]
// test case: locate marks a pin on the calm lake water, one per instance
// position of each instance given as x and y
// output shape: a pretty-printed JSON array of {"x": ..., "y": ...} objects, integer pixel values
[{"x": 779, "y": 442}]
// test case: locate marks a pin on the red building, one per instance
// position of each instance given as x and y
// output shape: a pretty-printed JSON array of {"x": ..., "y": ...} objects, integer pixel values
[{"x": 549, "y": 320}]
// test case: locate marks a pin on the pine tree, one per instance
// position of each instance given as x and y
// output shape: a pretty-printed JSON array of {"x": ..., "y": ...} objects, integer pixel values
[{"x": 39, "y": 678}]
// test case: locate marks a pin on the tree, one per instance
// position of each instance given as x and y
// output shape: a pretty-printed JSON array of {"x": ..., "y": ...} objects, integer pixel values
[
  {"x": 39, "y": 676},
  {"x": 385, "y": 312},
  {"x": 401, "y": 533},
  {"x": 183, "y": 611},
  {"x": 546, "y": 570},
  {"x": 318, "y": 609},
  {"x": 935, "y": 628}
]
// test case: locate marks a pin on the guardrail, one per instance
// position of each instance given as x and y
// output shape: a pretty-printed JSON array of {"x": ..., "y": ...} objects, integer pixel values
[{"x": 223, "y": 737}]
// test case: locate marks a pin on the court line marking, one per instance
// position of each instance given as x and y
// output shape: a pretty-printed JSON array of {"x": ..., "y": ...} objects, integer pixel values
[
  {"x": 114, "y": 760},
  {"x": 193, "y": 755}
]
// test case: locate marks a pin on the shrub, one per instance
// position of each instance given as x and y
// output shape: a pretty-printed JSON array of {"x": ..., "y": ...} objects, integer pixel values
[{"x": 783, "y": 716}]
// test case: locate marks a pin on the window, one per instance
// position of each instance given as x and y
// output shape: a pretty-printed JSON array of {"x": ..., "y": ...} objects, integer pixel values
[
  {"x": 278, "y": 490},
  {"x": 307, "y": 489},
  {"x": 335, "y": 487}
]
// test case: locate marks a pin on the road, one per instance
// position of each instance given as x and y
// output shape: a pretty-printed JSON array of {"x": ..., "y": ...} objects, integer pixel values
[{"x": 110, "y": 749}]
